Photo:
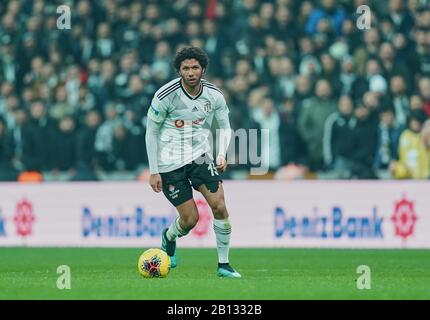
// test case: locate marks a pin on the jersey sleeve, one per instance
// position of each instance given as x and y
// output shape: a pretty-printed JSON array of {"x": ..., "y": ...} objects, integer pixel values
[
  {"x": 221, "y": 108},
  {"x": 221, "y": 114},
  {"x": 158, "y": 110}
]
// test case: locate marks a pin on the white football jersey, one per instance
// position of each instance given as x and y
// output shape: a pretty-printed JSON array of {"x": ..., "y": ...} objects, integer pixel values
[{"x": 185, "y": 122}]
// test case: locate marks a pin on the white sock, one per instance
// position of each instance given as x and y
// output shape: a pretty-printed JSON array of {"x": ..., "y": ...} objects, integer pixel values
[
  {"x": 175, "y": 231},
  {"x": 222, "y": 230}
]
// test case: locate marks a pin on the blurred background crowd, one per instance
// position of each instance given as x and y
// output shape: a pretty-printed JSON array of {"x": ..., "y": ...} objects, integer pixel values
[{"x": 340, "y": 102}]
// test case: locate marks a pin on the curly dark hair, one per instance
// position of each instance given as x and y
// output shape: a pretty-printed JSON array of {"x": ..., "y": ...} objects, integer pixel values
[{"x": 191, "y": 52}]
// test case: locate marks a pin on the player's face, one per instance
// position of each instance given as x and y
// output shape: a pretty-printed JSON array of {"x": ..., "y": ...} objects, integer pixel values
[{"x": 191, "y": 72}]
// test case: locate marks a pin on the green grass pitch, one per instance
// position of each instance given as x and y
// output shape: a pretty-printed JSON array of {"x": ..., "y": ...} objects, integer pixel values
[{"x": 107, "y": 273}]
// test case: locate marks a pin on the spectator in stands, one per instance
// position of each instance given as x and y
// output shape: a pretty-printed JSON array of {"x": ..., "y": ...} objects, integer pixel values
[
  {"x": 135, "y": 97},
  {"x": 213, "y": 46},
  {"x": 347, "y": 76},
  {"x": 418, "y": 59},
  {"x": 6, "y": 90},
  {"x": 416, "y": 102},
  {"x": 306, "y": 8},
  {"x": 285, "y": 23},
  {"x": 64, "y": 157},
  {"x": 351, "y": 35},
  {"x": 267, "y": 117},
  {"x": 364, "y": 142},
  {"x": 43, "y": 129},
  {"x": 366, "y": 51},
  {"x": 85, "y": 141},
  {"x": 398, "y": 100},
  {"x": 338, "y": 139},
  {"x": 329, "y": 15},
  {"x": 102, "y": 84},
  {"x": 303, "y": 91},
  {"x": 312, "y": 120},
  {"x": 330, "y": 72},
  {"x": 373, "y": 81},
  {"x": 104, "y": 45},
  {"x": 390, "y": 65},
  {"x": 135, "y": 147},
  {"x": 284, "y": 78},
  {"x": 104, "y": 138},
  {"x": 12, "y": 103},
  {"x": 389, "y": 132},
  {"x": 400, "y": 17},
  {"x": 292, "y": 147},
  {"x": 28, "y": 144},
  {"x": 424, "y": 89},
  {"x": 7, "y": 171},
  {"x": 8, "y": 68},
  {"x": 425, "y": 134},
  {"x": 61, "y": 107},
  {"x": 120, "y": 147},
  {"x": 414, "y": 154}
]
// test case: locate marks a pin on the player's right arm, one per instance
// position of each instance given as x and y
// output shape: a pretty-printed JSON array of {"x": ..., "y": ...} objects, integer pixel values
[{"x": 156, "y": 116}]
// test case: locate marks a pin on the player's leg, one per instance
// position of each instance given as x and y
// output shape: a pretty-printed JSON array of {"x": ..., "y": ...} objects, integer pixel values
[
  {"x": 188, "y": 218},
  {"x": 214, "y": 194},
  {"x": 177, "y": 189},
  {"x": 181, "y": 226}
]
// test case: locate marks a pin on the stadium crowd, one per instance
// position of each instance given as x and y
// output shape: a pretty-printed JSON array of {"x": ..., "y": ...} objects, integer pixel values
[{"x": 340, "y": 101}]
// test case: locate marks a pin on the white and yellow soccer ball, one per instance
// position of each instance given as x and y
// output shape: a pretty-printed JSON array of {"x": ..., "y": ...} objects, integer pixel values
[{"x": 154, "y": 263}]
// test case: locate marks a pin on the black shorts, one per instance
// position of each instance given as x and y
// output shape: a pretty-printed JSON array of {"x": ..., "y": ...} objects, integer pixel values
[{"x": 177, "y": 183}]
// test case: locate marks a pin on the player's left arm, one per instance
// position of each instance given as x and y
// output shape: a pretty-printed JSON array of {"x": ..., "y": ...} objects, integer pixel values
[{"x": 221, "y": 114}]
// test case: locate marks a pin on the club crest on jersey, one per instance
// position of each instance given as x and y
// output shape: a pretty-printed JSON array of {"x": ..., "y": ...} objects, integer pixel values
[
  {"x": 179, "y": 123},
  {"x": 207, "y": 107}
]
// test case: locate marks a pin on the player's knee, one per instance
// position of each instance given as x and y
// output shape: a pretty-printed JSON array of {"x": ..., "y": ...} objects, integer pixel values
[
  {"x": 219, "y": 210},
  {"x": 191, "y": 220}
]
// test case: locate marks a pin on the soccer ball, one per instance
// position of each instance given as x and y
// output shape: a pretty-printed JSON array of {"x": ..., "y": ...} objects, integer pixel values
[{"x": 154, "y": 263}]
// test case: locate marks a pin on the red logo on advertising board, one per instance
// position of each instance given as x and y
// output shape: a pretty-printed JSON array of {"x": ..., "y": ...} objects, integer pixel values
[
  {"x": 404, "y": 218},
  {"x": 205, "y": 218},
  {"x": 179, "y": 123},
  {"x": 24, "y": 218}
]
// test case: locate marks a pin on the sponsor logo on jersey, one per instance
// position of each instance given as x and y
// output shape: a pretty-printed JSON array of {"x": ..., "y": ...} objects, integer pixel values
[
  {"x": 179, "y": 123},
  {"x": 195, "y": 109},
  {"x": 198, "y": 121}
]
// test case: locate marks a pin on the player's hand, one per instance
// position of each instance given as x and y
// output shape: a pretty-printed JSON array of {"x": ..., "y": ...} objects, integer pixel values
[
  {"x": 155, "y": 182},
  {"x": 221, "y": 163}
]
